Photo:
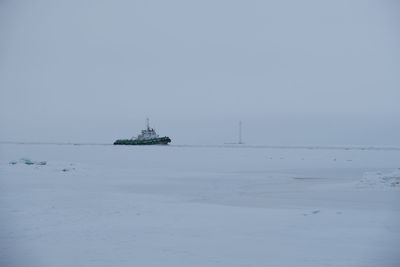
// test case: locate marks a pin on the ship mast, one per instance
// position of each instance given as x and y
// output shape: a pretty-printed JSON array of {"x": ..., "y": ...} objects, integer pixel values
[{"x": 147, "y": 124}]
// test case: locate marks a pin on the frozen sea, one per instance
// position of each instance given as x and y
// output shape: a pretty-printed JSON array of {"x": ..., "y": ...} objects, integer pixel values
[{"x": 104, "y": 205}]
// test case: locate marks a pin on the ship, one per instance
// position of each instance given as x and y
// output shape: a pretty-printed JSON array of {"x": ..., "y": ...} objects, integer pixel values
[{"x": 147, "y": 137}]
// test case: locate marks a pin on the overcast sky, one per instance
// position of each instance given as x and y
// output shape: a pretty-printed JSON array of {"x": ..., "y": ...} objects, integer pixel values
[{"x": 295, "y": 72}]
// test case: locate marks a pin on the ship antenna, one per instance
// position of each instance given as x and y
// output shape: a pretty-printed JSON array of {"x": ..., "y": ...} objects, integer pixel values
[
  {"x": 240, "y": 132},
  {"x": 147, "y": 124}
]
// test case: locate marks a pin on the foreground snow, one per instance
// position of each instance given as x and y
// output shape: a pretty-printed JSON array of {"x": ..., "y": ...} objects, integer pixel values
[{"x": 198, "y": 206}]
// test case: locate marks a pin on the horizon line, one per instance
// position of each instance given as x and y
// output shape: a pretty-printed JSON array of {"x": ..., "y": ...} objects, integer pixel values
[{"x": 225, "y": 145}]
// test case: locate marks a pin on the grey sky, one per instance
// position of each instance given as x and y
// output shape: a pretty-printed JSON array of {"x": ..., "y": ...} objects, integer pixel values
[{"x": 295, "y": 72}]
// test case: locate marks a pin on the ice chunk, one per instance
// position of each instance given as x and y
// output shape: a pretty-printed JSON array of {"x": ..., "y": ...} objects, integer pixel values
[
  {"x": 27, "y": 161},
  {"x": 67, "y": 169},
  {"x": 30, "y": 162},
  {"x": 380, "y": 180}
]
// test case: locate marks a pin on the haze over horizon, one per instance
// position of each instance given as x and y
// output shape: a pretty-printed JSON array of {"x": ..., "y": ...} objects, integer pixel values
[{"x": 295, "y": 73}]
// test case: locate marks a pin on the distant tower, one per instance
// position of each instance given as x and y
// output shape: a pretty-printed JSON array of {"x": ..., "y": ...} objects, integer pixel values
[{"x": 240, "y": 132}]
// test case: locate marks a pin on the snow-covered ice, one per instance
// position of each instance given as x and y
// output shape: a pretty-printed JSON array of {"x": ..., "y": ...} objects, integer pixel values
[
  {"x": 379, "y": 180},
  {"x": 104, "y": 205}
]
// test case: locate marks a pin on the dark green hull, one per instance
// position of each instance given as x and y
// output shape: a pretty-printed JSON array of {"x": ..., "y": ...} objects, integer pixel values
[{"x": 154, "y": 141}]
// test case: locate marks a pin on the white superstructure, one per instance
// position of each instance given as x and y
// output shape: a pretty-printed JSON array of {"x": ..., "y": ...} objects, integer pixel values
[{"x": 148, "y": 133}]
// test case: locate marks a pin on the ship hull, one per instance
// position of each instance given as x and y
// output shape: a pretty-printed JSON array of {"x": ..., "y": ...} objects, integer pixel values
[{"x": 135, "y": 142}]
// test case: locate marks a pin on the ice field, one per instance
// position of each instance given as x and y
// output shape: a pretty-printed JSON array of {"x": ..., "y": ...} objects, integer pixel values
[{"x": 104, "y": 205}]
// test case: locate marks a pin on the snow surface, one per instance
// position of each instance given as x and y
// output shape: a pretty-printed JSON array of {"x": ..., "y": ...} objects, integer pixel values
[{"x": 104, "y": 205}]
